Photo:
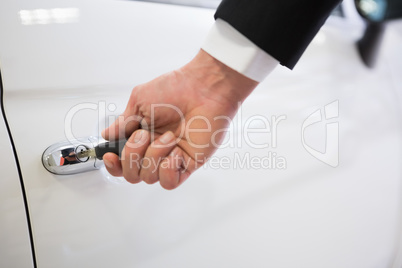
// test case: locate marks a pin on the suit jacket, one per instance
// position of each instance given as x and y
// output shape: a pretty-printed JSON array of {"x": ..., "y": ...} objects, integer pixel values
[{"x": 283, "y": 28}]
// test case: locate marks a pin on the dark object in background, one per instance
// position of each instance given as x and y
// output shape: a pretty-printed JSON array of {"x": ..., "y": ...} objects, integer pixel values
[
  {"x": 375, "y": 13},
  {"x": 369, "y": 45}
]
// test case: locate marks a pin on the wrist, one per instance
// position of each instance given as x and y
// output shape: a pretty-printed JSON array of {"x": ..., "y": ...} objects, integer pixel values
[{"x": 217, "y": 79}]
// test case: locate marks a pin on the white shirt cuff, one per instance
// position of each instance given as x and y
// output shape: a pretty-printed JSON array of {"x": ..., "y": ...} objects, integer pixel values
[{"x": 233, "y": 49}]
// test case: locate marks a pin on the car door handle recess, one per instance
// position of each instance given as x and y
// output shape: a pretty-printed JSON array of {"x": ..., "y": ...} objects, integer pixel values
[{"x": 71, "y": 157}]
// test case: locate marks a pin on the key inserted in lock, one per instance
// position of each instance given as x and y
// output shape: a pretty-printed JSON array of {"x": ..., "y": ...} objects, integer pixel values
[{"x": 78, "y": 156}]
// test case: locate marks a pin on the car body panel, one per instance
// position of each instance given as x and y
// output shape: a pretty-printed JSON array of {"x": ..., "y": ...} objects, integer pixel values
[
  {"x": 15, "y": 244},
  {"x": 306, "y": 215}
]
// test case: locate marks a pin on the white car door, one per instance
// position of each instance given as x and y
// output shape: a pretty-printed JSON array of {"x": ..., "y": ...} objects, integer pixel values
[
  {"x": 16, "y": 249},
  {"x": 69, "y": 67}
]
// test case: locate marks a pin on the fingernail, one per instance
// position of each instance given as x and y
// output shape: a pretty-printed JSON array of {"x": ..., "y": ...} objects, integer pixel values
[
  {"x": 139, "y": 135},
  {"x": 108, "y": 163},
  {"x": 167, "y": 137}
]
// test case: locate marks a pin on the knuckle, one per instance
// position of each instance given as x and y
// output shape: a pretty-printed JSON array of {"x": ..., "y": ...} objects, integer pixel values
[
  {"x": 113, "y": 172},
  {"x": 150, "y": 181},
  {"x": 130, "y": 165},
  {"x": 148, "y": 177},
  {"x": 131, "y": 178},
  {"x": 169, "y": 184},
  {"x": 125, "y": 154}
]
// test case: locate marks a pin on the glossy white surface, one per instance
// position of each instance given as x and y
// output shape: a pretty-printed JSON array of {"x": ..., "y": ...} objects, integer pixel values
[
  {"x": 15, "y": 247},
  {"x": 308, "y": 215}
]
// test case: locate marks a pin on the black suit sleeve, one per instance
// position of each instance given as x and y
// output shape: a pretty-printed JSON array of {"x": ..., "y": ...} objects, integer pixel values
[{"x": 282, "y": 28}]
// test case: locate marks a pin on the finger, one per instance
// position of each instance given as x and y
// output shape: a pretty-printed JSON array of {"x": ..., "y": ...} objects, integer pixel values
[
  {"x": 122, "y": 127},
  {"x": 113, "y": 164},
  {"x": 133, "y": 153},
  {"x": 175, "y": 169},
  {"x": 155, "y": 153}
]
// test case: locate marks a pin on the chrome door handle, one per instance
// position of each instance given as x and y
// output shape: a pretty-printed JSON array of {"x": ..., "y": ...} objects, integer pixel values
[{"x": 71, "y": 157}]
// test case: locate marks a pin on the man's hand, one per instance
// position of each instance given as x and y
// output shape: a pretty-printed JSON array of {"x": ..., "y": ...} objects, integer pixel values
[{"x": 175, "y": 122}]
